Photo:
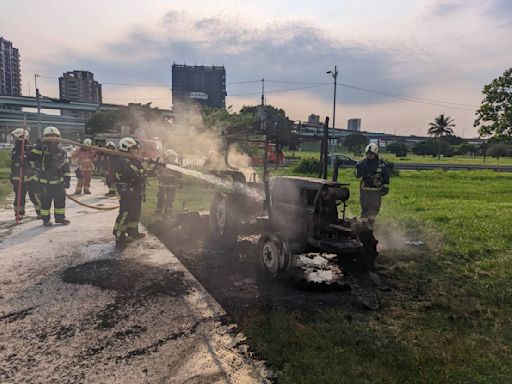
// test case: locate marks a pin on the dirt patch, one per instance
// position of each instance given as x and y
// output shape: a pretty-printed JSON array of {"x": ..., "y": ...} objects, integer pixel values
[{"x": 127, "y": 277}]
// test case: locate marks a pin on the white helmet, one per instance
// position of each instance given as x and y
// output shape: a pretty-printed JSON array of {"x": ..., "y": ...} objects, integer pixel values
[
  {"x": 371, "y": 148},
  {"x": 87, "y": 142},
  {"x": 110, "y": 144},
  {"x": 126, "y": 143},
  {"x": 170, "y": 154},
  {"x": 51, "y": 131},
  {"x": 20, "y": 134}
]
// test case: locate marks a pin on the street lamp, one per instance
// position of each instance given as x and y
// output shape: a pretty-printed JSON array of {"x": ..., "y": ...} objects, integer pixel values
[{"x": 334, "y": 75}]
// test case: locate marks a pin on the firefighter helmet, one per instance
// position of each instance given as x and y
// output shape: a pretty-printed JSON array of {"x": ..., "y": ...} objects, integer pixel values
[
  {"x": 20, "y": 134},
  {"x": 87, "y": 142},
  {"x": 110, "y": 144},
  {"x": 170, "y": 155},
  {"x": 126, "y": 143},
  {"x": 372, "y": 148},
  {"x": 51, "y": 131}
]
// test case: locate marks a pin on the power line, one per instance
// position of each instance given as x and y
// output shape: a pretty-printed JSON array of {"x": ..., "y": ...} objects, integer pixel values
[
  {"x": 309, "y": 85},
  {"x": 279, "y": 90},
  {"x": 410, "y": 98}
]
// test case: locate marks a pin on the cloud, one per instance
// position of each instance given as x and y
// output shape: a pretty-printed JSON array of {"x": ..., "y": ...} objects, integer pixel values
[{"x": 293, "y": 50}]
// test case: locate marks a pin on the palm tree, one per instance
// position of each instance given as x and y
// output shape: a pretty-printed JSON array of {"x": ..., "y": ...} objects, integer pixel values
[{"x": 441, "y": 126}]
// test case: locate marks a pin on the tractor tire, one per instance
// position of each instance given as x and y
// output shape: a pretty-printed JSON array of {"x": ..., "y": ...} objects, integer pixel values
[
  {"x": 274, "y": 258},
  {"x": 223, "y": 220}
]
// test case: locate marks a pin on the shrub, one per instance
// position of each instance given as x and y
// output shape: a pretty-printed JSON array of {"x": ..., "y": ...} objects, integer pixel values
[{"x": 308, "y": 166}]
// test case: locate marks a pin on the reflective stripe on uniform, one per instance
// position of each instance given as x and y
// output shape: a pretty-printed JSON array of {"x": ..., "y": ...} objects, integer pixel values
[
  {"x": 45, "y": 212},
  {"x": 37, "y": 152},
  {"x": 370, "y": 189},
  {"x": 59, "y": 211},
  {"x": 133, "y": 224},
  {"x": 120, "y": 226},
  {"x": 385, "y": 186},
  {"x": 51, "y": 182}
]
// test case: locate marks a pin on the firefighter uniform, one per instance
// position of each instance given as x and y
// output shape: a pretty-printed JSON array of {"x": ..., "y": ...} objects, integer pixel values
[
  {"x": 28, "y": 184},
  {"x": 168, "y": 182},
  {"x": 53, "y": 177},
  {"x": 130, "y": 180},
  {"x": 374, "y": 184}
]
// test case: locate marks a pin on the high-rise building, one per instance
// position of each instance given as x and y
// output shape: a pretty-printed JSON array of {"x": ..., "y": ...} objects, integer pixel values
[
  {"x": 200, "y": 84},
  {"x": 314, "y": 119},
  {"x": 10, "y": 72},
  {"x": 354, "y": 125},
  {"x": 79, "y": 86}
]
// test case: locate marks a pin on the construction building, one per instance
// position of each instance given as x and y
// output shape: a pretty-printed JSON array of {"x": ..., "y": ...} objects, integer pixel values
[
  {"x": 79, "y": 86},
  {"x": 198, "y": 84},
  {"x": 354, "y": 125}
]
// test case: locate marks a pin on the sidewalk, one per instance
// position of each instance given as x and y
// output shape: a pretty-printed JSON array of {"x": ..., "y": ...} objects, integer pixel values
[{"x": 73, "y": 309}]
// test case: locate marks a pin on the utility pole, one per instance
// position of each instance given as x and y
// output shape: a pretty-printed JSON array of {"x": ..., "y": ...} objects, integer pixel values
[
  {"x": 38, "y": 99},
  {"x": 335, "y": 77},
  {"x": 265, "y": 149}
]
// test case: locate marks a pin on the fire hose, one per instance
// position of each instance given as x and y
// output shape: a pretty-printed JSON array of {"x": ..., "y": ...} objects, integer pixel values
[{"x": 97, "y": 149}]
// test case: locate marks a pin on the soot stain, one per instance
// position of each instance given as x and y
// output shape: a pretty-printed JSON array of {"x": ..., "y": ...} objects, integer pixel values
[{"x": 128, "y": 277}]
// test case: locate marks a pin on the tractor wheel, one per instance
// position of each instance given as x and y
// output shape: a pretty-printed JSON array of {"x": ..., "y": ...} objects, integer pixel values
[
  {"x": 274, "y": 257},
  {"x": 223, "y": 220}
]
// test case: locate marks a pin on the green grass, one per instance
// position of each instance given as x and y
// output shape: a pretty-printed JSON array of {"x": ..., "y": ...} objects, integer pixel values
[
  {"x": 5, "y": 184},
  {"x": 411, "y": 158},
  {"x": 195, "y": 195},
  {"x": 448, "y": 318}
]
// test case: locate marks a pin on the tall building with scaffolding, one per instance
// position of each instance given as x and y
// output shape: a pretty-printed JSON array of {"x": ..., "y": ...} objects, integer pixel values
[{"x": 204, "y": 85}]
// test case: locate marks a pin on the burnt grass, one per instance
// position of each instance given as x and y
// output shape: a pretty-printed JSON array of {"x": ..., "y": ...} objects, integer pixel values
[{"x": 231, "y": 275}]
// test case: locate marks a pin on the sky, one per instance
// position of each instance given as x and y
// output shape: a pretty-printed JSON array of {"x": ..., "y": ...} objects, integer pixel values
[{"x": 439, "y": 53}]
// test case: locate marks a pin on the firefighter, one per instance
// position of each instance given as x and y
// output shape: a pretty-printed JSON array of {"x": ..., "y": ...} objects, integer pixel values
[
  {"x": 53, "y": 176},
  {"x": 374, "y": 176},
  {"x": 168, "y": 182},
  {"x": 23, "y": 164},
  {"x": 108, "y": 166},
  {"x": 84, "y": 157},
  {"x": 130, "y": 179}
]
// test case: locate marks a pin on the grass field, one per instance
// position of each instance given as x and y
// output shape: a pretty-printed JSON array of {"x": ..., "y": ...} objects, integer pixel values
[
  {"x": 448, "y": 318},
  {"x": 411, "y": 158},
  {"x": 5, "y": 184}
]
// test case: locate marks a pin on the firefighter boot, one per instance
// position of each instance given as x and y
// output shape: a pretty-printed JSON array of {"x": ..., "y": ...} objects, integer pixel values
[
  {"x": 47, "y": 223},
  {"x": 77, "y": 192},
  {"x": 63, "y": 221},
  {"x": 87, "y": 192},
  {"x": 123, "y": 241}
]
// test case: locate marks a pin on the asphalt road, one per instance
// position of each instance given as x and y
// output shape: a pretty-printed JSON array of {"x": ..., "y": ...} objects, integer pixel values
[{"x": 73, "y": 309}]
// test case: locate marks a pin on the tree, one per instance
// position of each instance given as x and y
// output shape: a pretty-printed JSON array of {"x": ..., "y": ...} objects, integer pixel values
[
  {"x": 134, "y": 116},
  {"x": 103, "y": 121},
  {"x": 441, "y": 126},
  {"x": 465, "y": 149},
  {"x": 494, "y": 117},
  {"x": 397, "y": 148},
  {"x": 279, "y": 127},
  {"x": 355, "y": 142},
  {"x": 500, "y": 150},
  {"x": 429, "y": 148}
]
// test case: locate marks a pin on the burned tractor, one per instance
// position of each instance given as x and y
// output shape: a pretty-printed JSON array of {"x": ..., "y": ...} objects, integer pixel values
[{"x": 294, "y": 216}]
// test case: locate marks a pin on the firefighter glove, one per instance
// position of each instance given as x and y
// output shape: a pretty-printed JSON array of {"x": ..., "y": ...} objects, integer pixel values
[
  {"x": 66, "y": 182},
  {"x": 384, "y": 191}
]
